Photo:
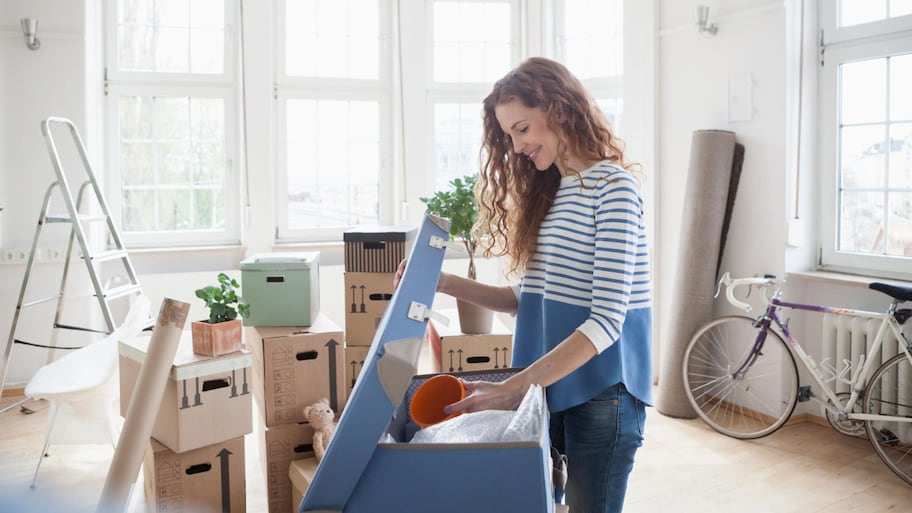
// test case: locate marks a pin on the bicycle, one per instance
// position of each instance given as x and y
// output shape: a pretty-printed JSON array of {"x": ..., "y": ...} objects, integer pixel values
[{"x": 742, "y": 379}]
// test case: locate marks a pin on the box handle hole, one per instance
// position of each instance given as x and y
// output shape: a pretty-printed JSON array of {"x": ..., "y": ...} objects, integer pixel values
[
  {"x": 215, "y": 384},
  {"x": 303, "y": 448},
  {"x": 380, "y": 297},
  {"x": 199, "y": 468},
  {"x": 275, "y": 279},
  {"x": 306, "y": 355},
  {"x": 478, "y": 359},
  {"x": 375, "y": 245}
]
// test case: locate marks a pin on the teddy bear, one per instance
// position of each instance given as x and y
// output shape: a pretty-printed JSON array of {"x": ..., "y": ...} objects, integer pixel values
[{"x": 323, "y": 421}]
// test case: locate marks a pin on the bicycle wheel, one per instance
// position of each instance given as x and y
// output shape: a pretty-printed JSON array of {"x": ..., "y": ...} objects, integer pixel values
[
  {"x": 890, "y": 393},
  {"x": 738, "y": 399}
]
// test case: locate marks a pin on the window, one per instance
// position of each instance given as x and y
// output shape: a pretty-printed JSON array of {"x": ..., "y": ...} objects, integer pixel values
[
  {"x": 333, "y": 91},
  {"x": 358, "y": 107},
  {"x": 172, "y": 121},
  {"x": 590, "y": 37},
  {"x": 474, "y": 43},
  {"x": 866, "y": 137}
]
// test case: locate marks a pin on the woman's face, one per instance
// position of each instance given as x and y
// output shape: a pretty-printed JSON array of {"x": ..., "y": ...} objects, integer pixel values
[{"x": 528, "y": 129}]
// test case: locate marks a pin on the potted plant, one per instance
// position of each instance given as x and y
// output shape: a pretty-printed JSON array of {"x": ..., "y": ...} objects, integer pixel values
[
  {"x": 458, "y": 204},
  {"x": 221, "y": 332}
]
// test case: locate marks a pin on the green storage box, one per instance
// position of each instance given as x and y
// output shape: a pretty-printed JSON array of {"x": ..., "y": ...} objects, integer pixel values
[{"x": 283, "y": 289}]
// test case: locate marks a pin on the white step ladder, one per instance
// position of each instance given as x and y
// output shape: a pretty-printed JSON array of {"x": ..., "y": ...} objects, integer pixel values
[{"x": 76, "y": 219}]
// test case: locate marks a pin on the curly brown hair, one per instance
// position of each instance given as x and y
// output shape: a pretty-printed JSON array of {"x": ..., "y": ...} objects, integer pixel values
[{"x": 513, "y": 196}]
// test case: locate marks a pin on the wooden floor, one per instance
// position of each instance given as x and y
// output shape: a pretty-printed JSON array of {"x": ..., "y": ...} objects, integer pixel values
[{"x": 683, "y": 467}]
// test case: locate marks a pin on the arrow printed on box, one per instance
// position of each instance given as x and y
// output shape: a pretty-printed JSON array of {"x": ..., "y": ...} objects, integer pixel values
[
  {"x": 333, "y": 392},
  {"x": 451, "y": 359},
  {"x": 496, "y": 358},
  {"x": 460, "y": 359},
  {"x": 226, "y": 480}
]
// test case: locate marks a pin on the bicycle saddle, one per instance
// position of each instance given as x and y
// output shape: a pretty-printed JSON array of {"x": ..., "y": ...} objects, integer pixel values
[{"x": 894, "y": 291}]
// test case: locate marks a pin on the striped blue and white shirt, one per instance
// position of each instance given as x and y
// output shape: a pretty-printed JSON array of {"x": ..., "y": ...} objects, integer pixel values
[{"x": 590, "y": 273}]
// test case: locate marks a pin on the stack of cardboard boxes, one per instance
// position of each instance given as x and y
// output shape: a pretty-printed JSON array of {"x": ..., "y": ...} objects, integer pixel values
[
  {"x": 298, "y": 358},
  {"x": 372, "y": 256},
  {"x": 195, "y": 458}
]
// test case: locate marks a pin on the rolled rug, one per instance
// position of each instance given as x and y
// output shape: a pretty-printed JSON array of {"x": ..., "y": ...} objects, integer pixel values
[{"x": 707, "y": 205}]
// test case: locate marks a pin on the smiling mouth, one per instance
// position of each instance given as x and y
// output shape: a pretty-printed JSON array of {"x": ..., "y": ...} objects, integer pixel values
[{"x": 534, "y": 154}]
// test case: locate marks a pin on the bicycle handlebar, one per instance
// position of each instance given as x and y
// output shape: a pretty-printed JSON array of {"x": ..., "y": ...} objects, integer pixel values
[{"x": 731, "y": 283}]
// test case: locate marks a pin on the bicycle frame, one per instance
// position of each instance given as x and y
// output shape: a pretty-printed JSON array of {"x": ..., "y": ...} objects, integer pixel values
[{"x": 859, "y": 374}]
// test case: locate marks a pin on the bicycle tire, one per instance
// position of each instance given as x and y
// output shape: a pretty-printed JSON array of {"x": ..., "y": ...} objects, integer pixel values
[
  {"x": 889, "y": 392},
  {"x": 758, "y": 401}
]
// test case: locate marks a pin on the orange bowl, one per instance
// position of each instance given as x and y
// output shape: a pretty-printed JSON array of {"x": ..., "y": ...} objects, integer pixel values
[{"x": 426, "y": 407}]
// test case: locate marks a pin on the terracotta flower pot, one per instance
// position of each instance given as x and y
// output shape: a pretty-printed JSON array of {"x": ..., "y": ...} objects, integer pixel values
[{"x": 216, "y": 339}]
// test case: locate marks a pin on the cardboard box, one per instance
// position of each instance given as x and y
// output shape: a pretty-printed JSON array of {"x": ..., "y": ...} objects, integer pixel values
[
  {"x": 301, "y": 473},
  {"x": 354, "y": 362},
  {"x": 279, "y": 446},
  {"x": 357, "y": 473},
  {"x": 459, "y": 352},
  {"x": 208, "y": 479},
  {"x": 376, "y": 249},
  {"x": 283, "y": 289},
  {"x": 207, "y": 398},
  {"x": 367, "y": 296},
  {"x": 295, "y": 367}
]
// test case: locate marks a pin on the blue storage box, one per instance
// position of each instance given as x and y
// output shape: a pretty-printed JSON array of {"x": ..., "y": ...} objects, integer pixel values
[
  {"x": 360, "y": 475},
  {"x": 283, "y": 289}
]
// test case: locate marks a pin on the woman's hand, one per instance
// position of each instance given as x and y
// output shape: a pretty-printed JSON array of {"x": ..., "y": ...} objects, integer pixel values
[
  {"x": 399, "y": 272},
  {"x": 444, "y": 277},
  {"x": 485, "y": 395}
]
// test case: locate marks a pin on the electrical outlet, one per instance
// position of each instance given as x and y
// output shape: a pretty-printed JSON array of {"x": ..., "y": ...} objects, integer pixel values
[{"x": 56, "y": 254}]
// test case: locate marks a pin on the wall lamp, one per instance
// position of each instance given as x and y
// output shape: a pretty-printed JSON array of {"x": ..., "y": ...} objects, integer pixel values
[
  {"x": 30, "y": 30},
  {"x": 703, "y": 27}
]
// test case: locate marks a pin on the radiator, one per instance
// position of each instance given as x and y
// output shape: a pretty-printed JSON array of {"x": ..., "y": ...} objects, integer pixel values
[{"x": 845, "y": 340}]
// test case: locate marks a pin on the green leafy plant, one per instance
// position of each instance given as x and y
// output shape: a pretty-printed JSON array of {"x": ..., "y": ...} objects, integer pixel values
[
  {"x": 223, "y": 302},
  {"x": 459, "y": 206}
]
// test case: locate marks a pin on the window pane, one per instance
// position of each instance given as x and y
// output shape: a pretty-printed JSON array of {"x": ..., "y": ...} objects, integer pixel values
[
  {"x": 332, "y": 162},
  {"x": 472, "y": 40},
  {"x": 175, "y": 36},
  {"x": 593, "y": 37},
  {"x": 898, "y": 238},
  {"x": 332, "y": 39},
  {"x": 860, "y": 215},
  {"x": 613, "y": 109},
  {"x": 457, "y": 141},
  {"x": 901, "y": 156},
  {"x": 900, "y": 87},
  {"x": 173, "y": 163},
  {"x": 863, "y": 156},
  {"x": 863, "y": 91},
  {"x": 853, "y": 12},
  {"x": 900, "y": 8}
]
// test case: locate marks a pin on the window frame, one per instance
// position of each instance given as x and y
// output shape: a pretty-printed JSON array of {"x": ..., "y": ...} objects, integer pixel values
[
  {"x": 842, "y": 45},
  {"x": 224, "y": 85}
]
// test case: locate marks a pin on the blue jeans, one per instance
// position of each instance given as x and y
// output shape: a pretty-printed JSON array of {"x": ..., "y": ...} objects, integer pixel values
[{"x": 600, "y": 438}]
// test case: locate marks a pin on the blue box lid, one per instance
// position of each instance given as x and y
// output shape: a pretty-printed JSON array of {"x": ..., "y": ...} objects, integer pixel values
[{"x": 389, "y": 367}]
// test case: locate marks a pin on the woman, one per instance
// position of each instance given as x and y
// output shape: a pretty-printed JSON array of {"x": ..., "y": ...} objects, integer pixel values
[{"x": 558, "y": 198}]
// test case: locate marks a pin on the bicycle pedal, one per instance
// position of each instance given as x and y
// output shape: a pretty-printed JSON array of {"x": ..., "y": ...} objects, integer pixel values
[
  {"x": 805, "y": 394},
  {"x": 886, "y": 437}
]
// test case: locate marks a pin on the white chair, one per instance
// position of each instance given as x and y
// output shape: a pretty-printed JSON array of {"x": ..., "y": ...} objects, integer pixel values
[{"x": 80, "y": 387}]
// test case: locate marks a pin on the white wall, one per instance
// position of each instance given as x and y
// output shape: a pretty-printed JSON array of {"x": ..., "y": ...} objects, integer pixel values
[
  {"x": 33, "y": 86},
  {"x": 694, "y": 73}
]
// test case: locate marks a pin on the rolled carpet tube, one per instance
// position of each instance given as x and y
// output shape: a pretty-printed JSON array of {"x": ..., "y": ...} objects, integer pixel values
[
  {"x": 707, "y": 203},
  {"x": 143, "y": 409}
]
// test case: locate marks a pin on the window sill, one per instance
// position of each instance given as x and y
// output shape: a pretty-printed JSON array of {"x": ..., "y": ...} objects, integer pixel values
[{"x": 836, "y": 278}]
